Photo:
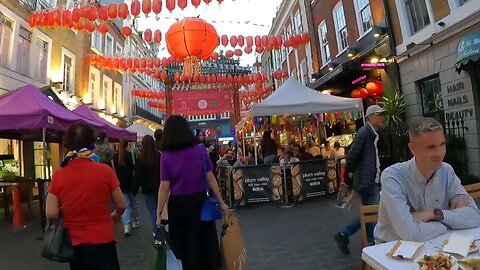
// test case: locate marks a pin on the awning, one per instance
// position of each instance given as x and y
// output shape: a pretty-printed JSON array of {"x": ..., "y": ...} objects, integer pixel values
[{"x": 468, "y": 50}]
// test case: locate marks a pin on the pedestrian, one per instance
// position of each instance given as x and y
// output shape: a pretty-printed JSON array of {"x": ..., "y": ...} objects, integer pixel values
[
  {"x": 84, "y": 188},
  {"x": 158, "y": 137},
  {"x": 147, "y": 176},
  {"x": 327, "y": 151},
  {"x": 185, "y": 167},
  {"x": 268, "y": 148},
  {"x": 363, "y": 167},
  {"x": 212, "y": 150},
  {"x": 104, "y": 150},
  {"x": 124, "y": 167}
]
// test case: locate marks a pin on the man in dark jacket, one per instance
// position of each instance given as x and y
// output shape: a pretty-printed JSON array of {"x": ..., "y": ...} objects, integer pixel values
[{"x": 363, "y": 167}]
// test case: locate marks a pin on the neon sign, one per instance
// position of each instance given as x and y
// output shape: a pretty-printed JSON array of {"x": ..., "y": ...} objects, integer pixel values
[
  {"x": 373, "y": 65},
  {"x": 359, "y": 79}
]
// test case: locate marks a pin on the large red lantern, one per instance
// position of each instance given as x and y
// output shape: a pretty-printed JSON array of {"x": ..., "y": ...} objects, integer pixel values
[
  {"x": 126, "y": 31},
  {"x": 103, "y": 13},
  {"x": 147, "y": 35},
  {"x": 360, "y": 93},
  {"x": 112, "y": 11},
  {"x": 170, "y": 5},
  {"x": 146, "y": 7},
  {"x": 157, "y": 6},
  {"x": 135, "y": 8},
  {"x": 123, "y": 11},
  {"x": 191, "y": 39},
  {"x": 374, "y": 88}
]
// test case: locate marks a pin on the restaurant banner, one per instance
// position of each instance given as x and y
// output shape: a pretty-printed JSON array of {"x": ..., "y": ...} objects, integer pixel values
[
  {"x": 202, "y": 102},
  {"x": 260, "y": 183},
  {"x": 309, "y": 179}
]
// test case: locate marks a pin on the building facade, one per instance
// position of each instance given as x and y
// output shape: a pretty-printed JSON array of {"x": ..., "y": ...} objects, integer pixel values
[{"x": 431, "y": 36}]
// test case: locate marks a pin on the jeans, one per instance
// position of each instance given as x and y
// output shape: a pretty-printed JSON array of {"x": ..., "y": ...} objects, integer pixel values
[
  {"x": 354, "y": 225},
  {"x": 130, "y": 213},
  {"x": 151, "y": 201}
]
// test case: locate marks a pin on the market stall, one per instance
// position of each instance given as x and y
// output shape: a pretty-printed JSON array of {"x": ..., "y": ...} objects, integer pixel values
[{"x": 140, "y": 129}]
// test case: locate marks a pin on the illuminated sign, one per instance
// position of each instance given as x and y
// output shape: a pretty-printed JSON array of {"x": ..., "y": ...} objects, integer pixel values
[
  {"x": 359, "y": 79},
  {"x": 373, "y": 65},
  {"x": 225, "y": 140}
]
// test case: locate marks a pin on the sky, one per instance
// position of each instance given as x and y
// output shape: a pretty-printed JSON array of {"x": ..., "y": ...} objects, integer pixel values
[{"x": 231, "y": 17}]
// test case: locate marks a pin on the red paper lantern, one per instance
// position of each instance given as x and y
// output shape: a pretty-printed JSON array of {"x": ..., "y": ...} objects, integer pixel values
[
  {"x": 163, "y": 75},
  {"x": 92, "y": 14},
  {"x": 238, "y": 52},
  {"x": 207, "y": 1},
  {"x": 196, "y": 3},
  {"x": 75, "y": 15},
  {"x": 84, "y": 12},
  {"x": 305, "y": 38},
  {"x": 224, "y": 40},
  {"x": 214, "y": 56},
  {"x": 66, "y": 18},
  {"x": 157, "y": 6},
  {"x": 89, "y": 26},
  {"x": 191, "y": 37},
  {"x": 123, "y": 11},
  {"x": 146, "y": 7},
  {"x": 79, "y": 25},
  {"x": 248, "y": 50},
  {"x": 182, "y": 4},
  {"x": 103, "y": 28},
  {"x": 241, "y": 40},
  {"x": 170, "y": 5},
  {"x": 264, "y": 41},
  {"x": 57, "y": 18},
  {"x": 31, "y": 21},
  {"x": 135, "y": 8},
  {"x": 164, "y": 62},
  {"x": 147, "y": 35},
  {"x": 219, "y": 2},
  {"x": 126, "y": 31},
  {"x": 112, "y": 11},
  {"x": 259, "y": 49},
  {"x": 157, "y": 37},
  {"x": 258, "y": 41},
  {"x": 233, "y": 41},
  {"x": 229, "y": 54},
  {"x": 374, "y": 88},
  {"x": 103, "y": 13},
  {"x": 150, "y": 63},
  {"x": 360, "y": 93}
]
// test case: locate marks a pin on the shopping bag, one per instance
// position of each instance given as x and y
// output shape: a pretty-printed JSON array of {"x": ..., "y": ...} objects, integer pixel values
[
  {"x": 158, "y": 258},
  {"x": 344, "y": 197},
  {"x": 172, "y": 262},
  {"x": 233, "y": 247}
]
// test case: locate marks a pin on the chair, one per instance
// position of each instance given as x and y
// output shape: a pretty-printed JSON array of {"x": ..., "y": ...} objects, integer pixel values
[
  {"x": 473, "y": 190},
  {"x": 5, "y": 198},
  {"x": 368, "y": 215}
]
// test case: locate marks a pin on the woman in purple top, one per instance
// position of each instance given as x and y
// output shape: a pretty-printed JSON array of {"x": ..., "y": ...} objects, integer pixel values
[{"x": 183, "y": 182}]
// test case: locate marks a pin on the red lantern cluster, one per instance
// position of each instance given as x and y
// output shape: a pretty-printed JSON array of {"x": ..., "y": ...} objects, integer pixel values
[
  {"x": 150, "y": 94},
  {"x": 374, "y": 88},
  {"x": 238, "y": 80},
  {"x": 264, "y": 43},
  {"x": 277, "y": 75},
  {"x": 158, "y": 105},
  {"x": 254, "y": 96}
]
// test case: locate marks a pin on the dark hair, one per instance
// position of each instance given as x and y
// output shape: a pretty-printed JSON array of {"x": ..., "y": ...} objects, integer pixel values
[
  {"x": 158, "y": 134},
  {"x": 177, "y": 134},
  {"x": 336, "y": 145},
  {"x": 101, "y": 137},
  {"x": 122, "y": 150},
  {"x": 267, "y": 134},
  {"x": 79, "y": 136},
  {"x": 148, "y": 153}
]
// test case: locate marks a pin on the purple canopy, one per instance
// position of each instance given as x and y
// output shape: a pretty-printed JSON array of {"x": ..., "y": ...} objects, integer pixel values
[
  {"x": 112, "y": 131},
  {"x": 26, "y": 111}
]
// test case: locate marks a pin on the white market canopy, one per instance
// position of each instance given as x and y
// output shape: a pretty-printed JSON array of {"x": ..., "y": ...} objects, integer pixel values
[
  {"x": 140, "y": 129},
  {"x": 293, "y": 98}
]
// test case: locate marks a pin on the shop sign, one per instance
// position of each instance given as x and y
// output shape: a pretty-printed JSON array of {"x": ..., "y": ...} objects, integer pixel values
[
  {"x": 468, "y": 48},
  {"x": 254, "y": 184},
  {"x": 367, "y": 65},
  {"x": 359, "y": 79},
  {"x": 458, "y": 100},
  {"x": 311, "y": 178}
]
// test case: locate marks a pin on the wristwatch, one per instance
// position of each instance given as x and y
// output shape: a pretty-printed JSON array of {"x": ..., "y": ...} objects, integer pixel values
[{"x": 438, "y": 214}]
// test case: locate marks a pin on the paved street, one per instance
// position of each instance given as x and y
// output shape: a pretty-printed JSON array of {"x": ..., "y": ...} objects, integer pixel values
[{"x": 276, "y": 238}]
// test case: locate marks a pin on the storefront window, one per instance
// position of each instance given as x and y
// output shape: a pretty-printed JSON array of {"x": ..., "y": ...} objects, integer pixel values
[
  {"x": 431, "y": 94},
  {"x": 417, "y": 14},
  {"x": 40, "y": 162}
]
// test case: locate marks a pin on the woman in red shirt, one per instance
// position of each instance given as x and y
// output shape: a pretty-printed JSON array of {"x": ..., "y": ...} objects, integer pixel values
[{"x": 83, "y": 189}]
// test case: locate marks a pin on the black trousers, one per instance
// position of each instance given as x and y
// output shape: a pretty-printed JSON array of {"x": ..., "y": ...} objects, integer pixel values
[
  {"x": 194, "y": 242},
  {"x": 95, "y": 257}
]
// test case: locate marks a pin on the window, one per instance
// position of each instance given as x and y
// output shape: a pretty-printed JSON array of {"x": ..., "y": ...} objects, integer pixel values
[
  {"x": 431, "y": 95},
  {"x": 303, "y": 72},
  {"x": 23, "y": 51},
  {"x": 325, "y": 49},
  {"x": 117, "y": 99},
  {"x": 340, "y": 27},
  {"x": 297, "y": 20},
  {"x": 106, "y": 93},
  {"x": 109, "y": 49},
  {"x": 364, "y": 15},
  {"x": 40, "y": 69},
  {"x": 47, "y": 4},
  {"x": 96, "y": 42},
  {"x": 6, "y": 30},
  {"x": 67, "y": 74},
  {"x": 119, "y": 50},
  {"x": 417, "y": 14}
]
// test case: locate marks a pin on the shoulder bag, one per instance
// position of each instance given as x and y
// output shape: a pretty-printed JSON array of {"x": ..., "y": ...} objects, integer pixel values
[
  {"x": 210, "y": 207},
  {"x": 57, "y": 245}
]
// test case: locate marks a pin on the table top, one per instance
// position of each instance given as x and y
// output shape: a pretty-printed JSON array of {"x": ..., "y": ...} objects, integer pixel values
[
  {"x": 376, "y": 256},
  {"x": 13, "y": 180}
]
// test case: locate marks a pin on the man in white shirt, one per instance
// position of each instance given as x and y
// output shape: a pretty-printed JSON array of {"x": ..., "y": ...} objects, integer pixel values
[{"x": 423, "y": 197}]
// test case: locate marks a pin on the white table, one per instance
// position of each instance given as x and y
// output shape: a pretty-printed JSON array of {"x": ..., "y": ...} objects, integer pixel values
[{"x": 376, "y": 256}]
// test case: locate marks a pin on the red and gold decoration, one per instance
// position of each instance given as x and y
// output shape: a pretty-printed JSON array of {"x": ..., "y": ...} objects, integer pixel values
[
  {"x": 202, "y": 102},
  {"x": 192, "y": 40}
]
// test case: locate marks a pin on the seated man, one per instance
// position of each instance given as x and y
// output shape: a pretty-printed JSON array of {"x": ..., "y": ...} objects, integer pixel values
[
  {"x": 423, "y": 198},
  {"x": 245, "y": 160},
  {"x": 228, "y": 159}
]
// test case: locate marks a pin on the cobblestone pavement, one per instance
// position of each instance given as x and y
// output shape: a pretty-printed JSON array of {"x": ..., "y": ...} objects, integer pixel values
[{"x": 296, "y": 238}]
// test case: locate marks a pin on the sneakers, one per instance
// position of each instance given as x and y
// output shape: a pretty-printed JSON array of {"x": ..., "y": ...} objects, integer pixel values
[
  {"x": 342, "y": 242},
  {"x": 127, "y": 230},
  {"x": 135, "y": 224}
]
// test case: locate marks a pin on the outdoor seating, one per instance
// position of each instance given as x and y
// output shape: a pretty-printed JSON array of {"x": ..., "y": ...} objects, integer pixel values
[
  {"x": 368, "y": 215},
  {"x": 473, "y": 190}
]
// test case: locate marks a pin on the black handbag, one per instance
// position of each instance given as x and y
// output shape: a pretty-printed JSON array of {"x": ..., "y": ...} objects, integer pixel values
[{"x": 57, "y": 245}]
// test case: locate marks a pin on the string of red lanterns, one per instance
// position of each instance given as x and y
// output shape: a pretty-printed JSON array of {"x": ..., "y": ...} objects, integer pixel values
[
  {"x": 145, "y": 93},
  {"x": 264, "y": 43},
  {"x": 374, "y": 88}
]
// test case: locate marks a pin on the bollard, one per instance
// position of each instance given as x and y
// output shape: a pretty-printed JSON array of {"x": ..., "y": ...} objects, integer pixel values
[{"x": 18, "y": 219}]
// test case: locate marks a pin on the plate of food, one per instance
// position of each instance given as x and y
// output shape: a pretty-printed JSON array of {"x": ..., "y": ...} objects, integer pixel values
[
  {"x": 473, "y": 246},
  {"x": 469, "y": 264},
  {"x": 438, "y": 261}
]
